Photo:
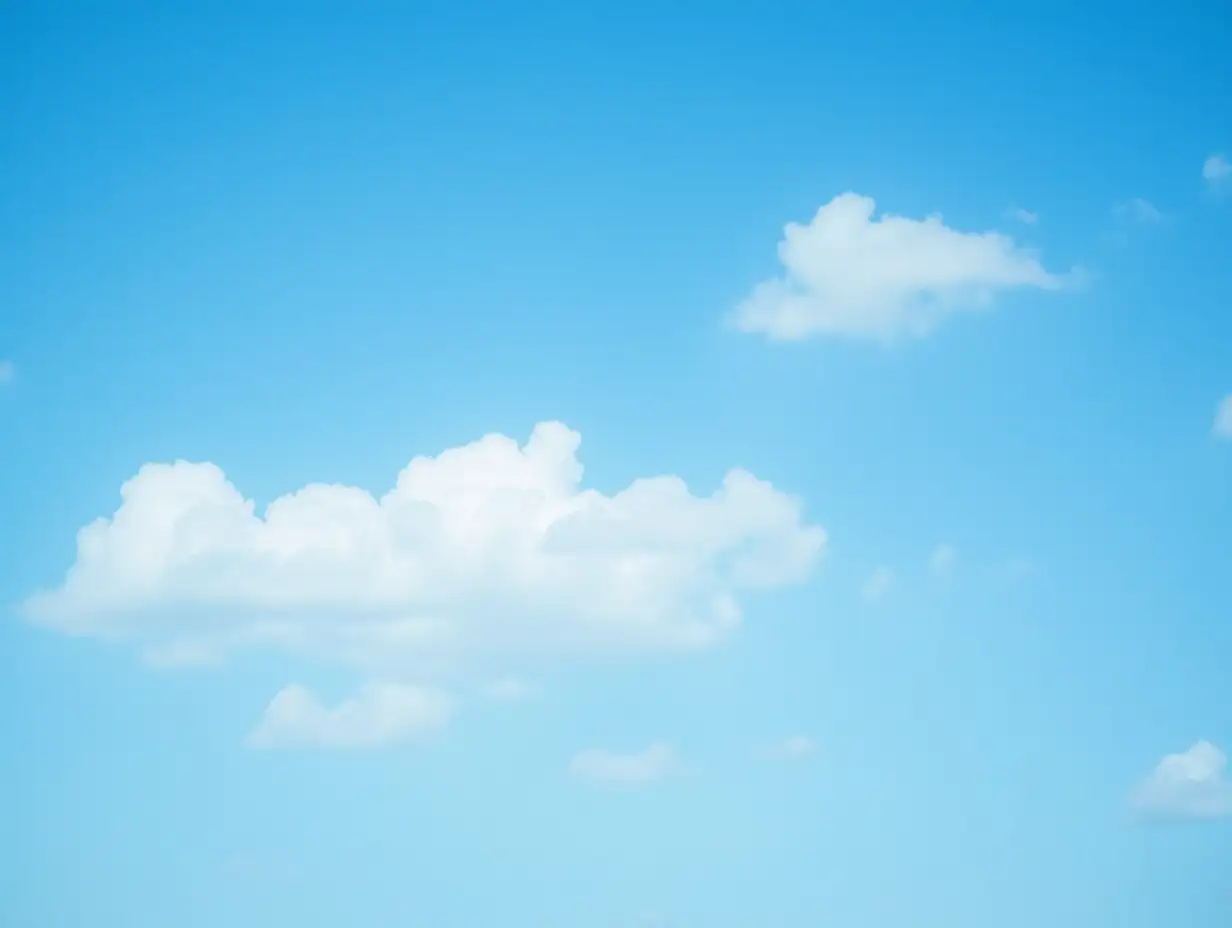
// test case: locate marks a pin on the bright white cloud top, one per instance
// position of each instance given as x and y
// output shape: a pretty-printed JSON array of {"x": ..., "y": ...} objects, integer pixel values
[
  {"x": 488, "y": 548},
  {"x": 655, "y": 763},
  {"x": 381, "y": 714},
  {"x": 848, "y": 274},
  {"x": 1192, "y": 785}
]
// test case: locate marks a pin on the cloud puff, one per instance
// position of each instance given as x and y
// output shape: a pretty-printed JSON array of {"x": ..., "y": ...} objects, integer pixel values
[
  {"x": 1017, "y": 569},
  {"x": 380, "y": 714},
  {"x": 943, "y": 561},
  {"x": 1138, "y": 210},
  {"x": 848, "y": 274},
  {"x": 486, "y": 548},
  {"x": 655, "y": 763},
  {"x": 7, "y": 371},
  {"x": 1216, "y": 169},
  {"x": 510, "y": 690},
  {"x": 1024, "y": 216},
  {"x": 797, "y": 747},
  {"x": 1192, "y": 785},
  {"x": 878, "y": 584},
  {"x": 1222, "y": 427}
]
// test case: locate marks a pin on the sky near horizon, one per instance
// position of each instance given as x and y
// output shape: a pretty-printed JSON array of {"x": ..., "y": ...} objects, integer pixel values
[{"x": 679, "y": 464}]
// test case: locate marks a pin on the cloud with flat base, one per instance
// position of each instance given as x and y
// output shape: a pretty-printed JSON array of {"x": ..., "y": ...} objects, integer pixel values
[
  {"x": 486, "y": 553},
  {"x": 847, "y": 274},
  {"x": 1193, "y": 786}
]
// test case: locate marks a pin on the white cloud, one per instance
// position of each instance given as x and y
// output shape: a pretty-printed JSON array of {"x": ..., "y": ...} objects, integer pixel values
[
  {"x": 7, "y": 371},
  {"x": 489, "y": 547},
  {"x": 797, "y": 747},
  {"x": 847, "y": 274},
  {"x": 1216, "y": 169},
  {"x": 1222, "y": 427},
  {"x": 510, "y": 690},
  {"x": 655, "y": 763},
  {"x": 943, "y": 561},
  {"x": 1137, "y": 210},
  {"x": 381, "y": 713},
  {"x": 878, "y": 584},
  {"x": 1192, "y": 785},
  {"x": 1024, "y": 216}
]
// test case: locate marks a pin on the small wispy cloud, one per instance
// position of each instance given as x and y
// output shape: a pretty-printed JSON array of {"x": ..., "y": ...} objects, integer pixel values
[
  {"x": 1216, "y": 170},
  {"x": 1017, "y": 569},
  {"x": 1222, "y": 427},
  {"x": 180, "y": 654},
  {"x": 1024, "y": 215},
  {"x": 510, "y": 690},
  {"x": 943, "y": 561},
  {"x": 1139, "y": 211},
  {"x": 8, "y": 370},
  {"x": 1192, "y": 785},
  {"x": 380, "y": 714},
  {"x": 878, "y": 584},
  {"x": 655, "y": 763},
  {"x": 797, "y": 747}
]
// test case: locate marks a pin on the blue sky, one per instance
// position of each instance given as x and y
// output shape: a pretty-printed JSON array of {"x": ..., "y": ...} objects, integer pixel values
[{"x": 923, "y": 319}]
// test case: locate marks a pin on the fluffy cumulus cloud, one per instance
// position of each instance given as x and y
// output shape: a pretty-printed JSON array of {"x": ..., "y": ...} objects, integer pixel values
[
  {"x": 655, "y": 763},
  {"x": 849, "y": 274},
  {"x": 382, "y": 713},
  {"x": 487, "y": 549},
  {"x": 1222, "y": 427},
  {"x": 1193, "y": 785}
]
